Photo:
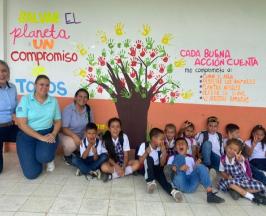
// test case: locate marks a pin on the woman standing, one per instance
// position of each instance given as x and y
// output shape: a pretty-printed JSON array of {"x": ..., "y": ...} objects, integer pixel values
[
  {"x": 39, "y": 120},
  {"x": 75, "y": 117},
  {"x": 8, "y": 102}
]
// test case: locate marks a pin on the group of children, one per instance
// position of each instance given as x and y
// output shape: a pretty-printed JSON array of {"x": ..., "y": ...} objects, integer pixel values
[{"x": 180, "y": 161}]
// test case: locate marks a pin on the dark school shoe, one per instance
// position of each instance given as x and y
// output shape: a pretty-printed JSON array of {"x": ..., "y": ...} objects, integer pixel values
[
  {"x": 234, "y": 194},
  {"x": 259, "y": 199},
  {"x": 105, "y": 176},
  {"x": 213, "y": 198},
  {"x": 68, "y": 160}
]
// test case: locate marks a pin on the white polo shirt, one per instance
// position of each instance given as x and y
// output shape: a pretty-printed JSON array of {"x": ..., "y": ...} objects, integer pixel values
[
  {"x": 258, "y": 152},
  {"x": 100, "y": 148}
]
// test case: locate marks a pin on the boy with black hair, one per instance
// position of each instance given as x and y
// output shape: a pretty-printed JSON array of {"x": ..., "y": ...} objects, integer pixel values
[
  {"x": 153, "y": 155},
  {"x": 92, "y": 153},
  {"x": 211, "y": 144}
]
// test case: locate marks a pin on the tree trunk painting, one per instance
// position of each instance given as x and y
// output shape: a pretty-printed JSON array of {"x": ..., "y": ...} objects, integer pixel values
[{"x": 134, "y": 74}]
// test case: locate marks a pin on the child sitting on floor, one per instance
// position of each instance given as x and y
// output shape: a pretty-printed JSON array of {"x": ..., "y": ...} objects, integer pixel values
[
  {"x": 188, "y": 132},
  {"x": 235, "y": 175},
  {"x": 170, "y": 135},
  {"x": 92, "y": 153},
  {"x": 189, "y": 174},
  {"x": 153, "y": 156},
  {"x": 117, "y": 144}
]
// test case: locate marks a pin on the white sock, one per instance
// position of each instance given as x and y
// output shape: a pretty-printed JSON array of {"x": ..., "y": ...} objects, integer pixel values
[
  {"x": 115, "y": 175},
  {"x": 249, "y": 196},
  {"x": 128, "y": 170}
]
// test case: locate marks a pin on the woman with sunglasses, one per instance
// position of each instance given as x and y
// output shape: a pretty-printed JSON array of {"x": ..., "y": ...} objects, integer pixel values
[{"x": 39, "y": 120}]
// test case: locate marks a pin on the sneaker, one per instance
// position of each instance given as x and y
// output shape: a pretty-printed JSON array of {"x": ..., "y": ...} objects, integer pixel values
[
  {"x": 78, "y": 173},
  {"x": 68, "y": 160},
  {"x": 105, "y": 177},
  {"x": 168, "y": 172},
  {"x": 213, "y": 198},
  {"x": 177, "y": 195},
  {"x": 93, "y": 174},
  {"x": 50, "y": 166},
  {"x": 99, "y": 173},
  {"x": 234, "y": 194},
  {"x": 151, "y": 186},
  {"x": 259, "y": 199}
]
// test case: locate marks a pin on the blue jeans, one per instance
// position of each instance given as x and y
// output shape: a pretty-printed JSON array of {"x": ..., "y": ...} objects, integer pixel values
[
  {"x": 258, "y": 174},
  {"x": 209, "y": 158},
  {"x": 189, "y": 183},
  {"x": 89, "y": 164},
  {"x": 7, "y": 134},
  {"x": 33, "y": 153}
]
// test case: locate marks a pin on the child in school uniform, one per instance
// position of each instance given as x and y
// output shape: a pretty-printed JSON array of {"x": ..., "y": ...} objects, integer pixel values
[
  {"x": 117, "y": 144},
  {"x": 256, "y": 147},
  {"x": 153, "y": 155},
  {"x": 92, "y": 153},
  {"x": 188, "y": 174},
  {"x": 188, "y": 132},
  {"x": 236, "y": 176},
  {"x": 211, "y": 144},
  {"x": 170, "y": 135},
  {"x": 233, "y": 131}
]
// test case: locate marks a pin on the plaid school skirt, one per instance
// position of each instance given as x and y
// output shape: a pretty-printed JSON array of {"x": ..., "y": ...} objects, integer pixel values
[{"x": 240, "y": 179}]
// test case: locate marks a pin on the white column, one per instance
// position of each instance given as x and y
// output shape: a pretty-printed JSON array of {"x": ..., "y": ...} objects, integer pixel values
[{"x": 2, "y": 29}]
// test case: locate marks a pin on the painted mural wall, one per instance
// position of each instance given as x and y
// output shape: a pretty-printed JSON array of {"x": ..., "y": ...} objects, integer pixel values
[{"x": 141, "y": 59}]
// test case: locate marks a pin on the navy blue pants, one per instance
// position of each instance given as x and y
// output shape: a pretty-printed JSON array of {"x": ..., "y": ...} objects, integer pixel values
[
  {"x": 258, "y": 174},
  {"x": 89, "y": 164},
  {"x": 33, "y": 153},
  {"x": 7, "y": 134},
  {"x": 155, "y": 172}
]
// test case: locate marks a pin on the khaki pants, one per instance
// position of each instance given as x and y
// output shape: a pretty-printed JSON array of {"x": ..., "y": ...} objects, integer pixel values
[{"x": 68, "y": 144}]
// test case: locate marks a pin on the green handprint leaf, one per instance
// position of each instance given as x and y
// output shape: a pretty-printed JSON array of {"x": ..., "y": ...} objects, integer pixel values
[
  {"x": 104, "y": 52},
  {"x": 91, "y": 59},
  {"x": 149, "y": 43},
  {"x": 170, "y": 68},
  {"x": 161, "y": 50},
  {"x": 124, "y": 93},
  {"x": 111, "y": 43},
  {"x": 119, "y": 44},
  {"x": 98, "y": 71},
  {"x": 112, "y": 61},
  {"x": 112, "y": 51},
  {"x": 104, "y": 78},
  {"x": 92, "y": 94},
  {"x": 147, "y": 61},
  {"x": 154, "y": 66},
  {"x": 127, "y": 43},
  {"x": 122, "y": 53}
]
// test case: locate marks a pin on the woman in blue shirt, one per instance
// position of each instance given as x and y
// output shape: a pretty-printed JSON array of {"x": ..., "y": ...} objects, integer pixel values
[
  {"x": 8, "y": 102},
  {"x": 39, "y": 120}
]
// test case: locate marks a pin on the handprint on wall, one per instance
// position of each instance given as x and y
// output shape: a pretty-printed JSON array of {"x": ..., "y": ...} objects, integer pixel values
[{"x": 134, "y": 72}]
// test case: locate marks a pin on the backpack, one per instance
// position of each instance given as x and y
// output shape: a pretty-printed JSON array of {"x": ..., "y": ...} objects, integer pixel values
[
  {"x": 206, "y": 138},
  {"x": 86, "y": 144},
  {"x": 246, "y": 163},
  {"x": 88, "y": 110}
]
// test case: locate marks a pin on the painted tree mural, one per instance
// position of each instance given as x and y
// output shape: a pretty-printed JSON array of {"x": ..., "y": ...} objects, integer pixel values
[{"x": 134, "y": 73}]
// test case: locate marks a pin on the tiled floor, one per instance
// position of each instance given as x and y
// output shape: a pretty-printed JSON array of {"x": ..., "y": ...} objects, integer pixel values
[{"x": 62, "y": 193}]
